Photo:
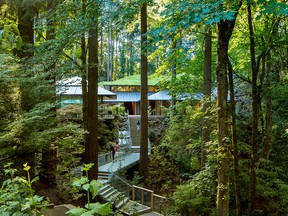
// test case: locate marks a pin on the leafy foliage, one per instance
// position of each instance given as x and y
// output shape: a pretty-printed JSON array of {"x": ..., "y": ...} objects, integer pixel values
[
  {"x": 10, "y": 37},
  {"x": 196, "y": 197},
  {"x": 17, "y": 196},
  {"x": 93, "y": 188}
]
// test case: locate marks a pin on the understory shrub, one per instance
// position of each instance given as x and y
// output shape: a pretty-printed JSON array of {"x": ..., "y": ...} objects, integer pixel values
[
  {"x": 197, "y": 196},
  {"x": 17, "y": 197}
]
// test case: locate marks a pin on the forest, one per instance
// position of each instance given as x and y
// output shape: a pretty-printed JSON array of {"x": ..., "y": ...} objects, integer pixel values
[{"x": 224, "y": 155}]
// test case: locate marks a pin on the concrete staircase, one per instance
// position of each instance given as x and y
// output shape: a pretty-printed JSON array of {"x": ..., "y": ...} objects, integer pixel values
[
  {"x": 112, "y": 195},
  {"x": 119, "y": 201},
  {"x": 103, "y": 177},
  {"x": 134, "y": 134}
]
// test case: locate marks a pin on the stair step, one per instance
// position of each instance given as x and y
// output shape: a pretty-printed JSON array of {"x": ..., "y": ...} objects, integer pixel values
[
  {"x": 121, "y": 202},
  {"x": 103, "y": 175},
  {"x": 132, "y": 208},
  {"x": 145, "y": 211},
  {"x": 108, "y": 195},
  {"x": 104, "y": 188},
  {"x": 106, "y": 191},
  {"x": 114, "y": 197}
]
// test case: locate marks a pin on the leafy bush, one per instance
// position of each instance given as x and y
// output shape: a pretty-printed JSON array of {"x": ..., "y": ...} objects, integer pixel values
[
  {"x": 196, "y": 197},
  {"x": 93, "y": 188},
  {"x": 17, "y": 196}
]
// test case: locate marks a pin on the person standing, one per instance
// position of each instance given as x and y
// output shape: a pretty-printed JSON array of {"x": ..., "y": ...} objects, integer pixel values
[
  {"x": 117, "y": 149},
  {"x": 138, "y": 125},
  {"x": 112, "y": 150}
]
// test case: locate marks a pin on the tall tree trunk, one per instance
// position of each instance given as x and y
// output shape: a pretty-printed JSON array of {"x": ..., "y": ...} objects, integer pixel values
[
  {"x": 234, "y": 141},
  {"x": 91, "y": 147},
  {"x": 222, "y": 121},
  {"x": 108, "y": 58},
  {"x": 109, "y": 53},
  {"x": 112, "y": 53},
  {"x": 225, "y": 30},
  {"x": 144, "y": 99},
  {"x": 206, "y": 130},
  {"x": 255, "y": 109},
  {"x": 25, "y": 26},
  {"x": 268, "y": 116},
  {"x": 131, "y": 62},
  {"x": 26, "y": 30},
  {"x": 101, "y": 63},
  {"x": 116, "y": 56}
]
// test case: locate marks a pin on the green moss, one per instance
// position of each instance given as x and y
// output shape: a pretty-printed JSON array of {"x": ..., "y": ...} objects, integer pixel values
[{"x": 131, "y": 81}]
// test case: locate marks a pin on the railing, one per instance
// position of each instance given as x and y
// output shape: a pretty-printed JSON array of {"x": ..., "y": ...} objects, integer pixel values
[
  {"x": 139, "y": 194},
  {"x": 148, "y": 197},
  {"x": 120, "y": 184},
  {"x": 104, "y": 158}
]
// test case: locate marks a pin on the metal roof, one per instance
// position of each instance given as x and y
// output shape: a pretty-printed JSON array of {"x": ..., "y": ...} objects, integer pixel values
[
  {"x": 72, "y": 87},
  {"x": 161, "y": 96},
  {"x": 126, "y": 97},
  {"x": 165, "y": 96},
  {"x": 75, "y": 90}
]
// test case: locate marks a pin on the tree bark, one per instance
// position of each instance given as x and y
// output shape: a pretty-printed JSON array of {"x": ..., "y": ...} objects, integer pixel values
[
  {"x": 234, "y": 141},
  {"x": 116, "y": 57},
  {"x": 144, "y": 99},
  {"x": 112, "y": 53},
  {"x": 101, "y": 63},
  {"x": 91, "y": 147},
  {"x": 225, "y": 29},
  {"x": 255, "y": 109},
  {"x": 222, "y": 121},
  {"x": 268, "y": 116},
  {"x": 26, "y": 30},
  {"x": 206, "y": 130},
  {"x": 25, "y": 27}
]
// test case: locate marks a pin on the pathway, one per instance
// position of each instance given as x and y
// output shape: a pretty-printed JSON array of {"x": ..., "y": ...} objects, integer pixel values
[{"x": 123, "y": 161}]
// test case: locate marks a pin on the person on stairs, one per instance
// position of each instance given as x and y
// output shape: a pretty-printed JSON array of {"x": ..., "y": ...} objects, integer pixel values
[{"x": 138, "y": 125}]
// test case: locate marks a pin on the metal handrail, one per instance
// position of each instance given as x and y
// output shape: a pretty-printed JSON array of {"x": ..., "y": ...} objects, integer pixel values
[
  {"x": 106, "y": 157},
  {"x": 121, "y": 179}
]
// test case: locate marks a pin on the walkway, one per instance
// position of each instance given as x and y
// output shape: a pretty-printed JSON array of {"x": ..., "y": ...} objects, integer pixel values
[{"x": 124, "y": 161}]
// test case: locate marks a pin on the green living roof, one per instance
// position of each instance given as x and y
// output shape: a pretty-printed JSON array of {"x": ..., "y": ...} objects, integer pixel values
[{"x": 131, "y": 81}]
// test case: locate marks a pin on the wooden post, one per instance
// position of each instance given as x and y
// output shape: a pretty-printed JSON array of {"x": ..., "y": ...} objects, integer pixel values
[
  {"x": 164, "y": 207},
  {"x": 133, "y": 193},
  {"x": 142, "y": 196},
  {"x": 152, "y": 201}
]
